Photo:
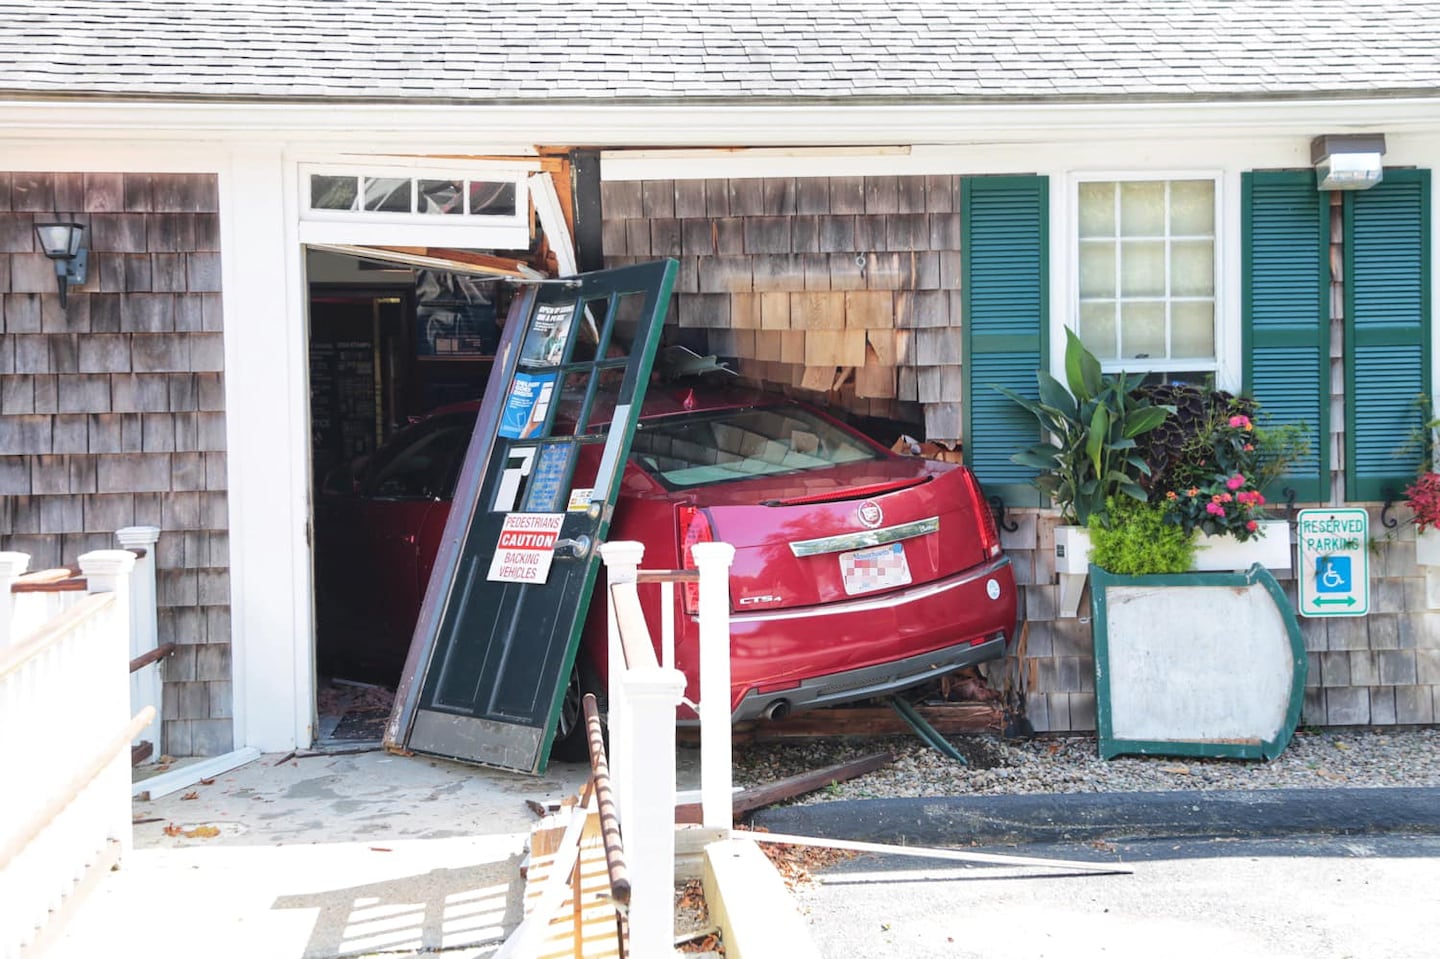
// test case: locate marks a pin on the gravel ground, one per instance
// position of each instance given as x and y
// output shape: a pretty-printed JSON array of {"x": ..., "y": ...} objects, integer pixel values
[{"x": 1314, "y": 759}]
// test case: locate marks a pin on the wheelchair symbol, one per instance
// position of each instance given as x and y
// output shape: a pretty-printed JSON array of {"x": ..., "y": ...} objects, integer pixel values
[{"x": 1332, "y": 574}]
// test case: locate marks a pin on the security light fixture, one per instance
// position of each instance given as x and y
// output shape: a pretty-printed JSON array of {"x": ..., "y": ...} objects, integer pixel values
[
  {"x": 1349, "y": 161},
  {"x": 64, "y": 243}
]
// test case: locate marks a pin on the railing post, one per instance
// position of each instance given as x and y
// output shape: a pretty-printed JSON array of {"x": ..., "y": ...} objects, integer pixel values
[
  {"x": 716, "y": 802},
  {"x": 12, "y": 566},
  {"x": 649, "y": 745},
  {"x": 622, "y": 561},
  {"x": 109, "y": 571},
  {"x": 146, "y": 685}
]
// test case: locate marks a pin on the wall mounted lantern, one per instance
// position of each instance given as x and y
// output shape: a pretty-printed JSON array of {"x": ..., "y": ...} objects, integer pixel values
[
  {"x": 1347, "y": 161},
  {"x": 64, "y": 243}
]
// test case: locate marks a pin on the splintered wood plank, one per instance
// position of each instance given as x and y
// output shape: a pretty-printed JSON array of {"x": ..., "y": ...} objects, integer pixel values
[
  {"x": 596, "y": 915},
  {"x": 817, "y": 311},
  {"x": 817, "y": 378},
  {"x": 869, "y": 309},
  {"x": 875, "y": 382},
  {"x": 835, "y": 348},
  {"x": 869, "y": 721}
]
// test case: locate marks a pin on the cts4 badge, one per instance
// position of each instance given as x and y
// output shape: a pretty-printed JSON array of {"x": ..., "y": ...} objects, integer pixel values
[
  {"x": 869, "y": 514},
  {"x": 992, "y": 589}
]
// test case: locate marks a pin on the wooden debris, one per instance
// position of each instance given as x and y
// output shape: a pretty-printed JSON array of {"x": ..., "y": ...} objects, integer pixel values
[
  {"x": 748, "y": 800},
  {"x": 947, "y": 718}
]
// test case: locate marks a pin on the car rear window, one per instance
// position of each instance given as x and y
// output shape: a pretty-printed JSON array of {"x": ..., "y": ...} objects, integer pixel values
[{"x": 718, "y": 446}]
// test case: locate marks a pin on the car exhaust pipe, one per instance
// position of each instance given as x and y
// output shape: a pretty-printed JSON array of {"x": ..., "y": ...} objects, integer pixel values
[{"x": 778, "y": 709}]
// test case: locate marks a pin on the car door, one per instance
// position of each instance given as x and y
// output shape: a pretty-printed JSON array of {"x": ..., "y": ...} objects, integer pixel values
[{"x": 499, "y": 629}]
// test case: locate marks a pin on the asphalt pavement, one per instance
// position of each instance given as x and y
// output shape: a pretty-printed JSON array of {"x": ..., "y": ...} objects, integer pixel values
[{"x": 1111, "y": 817}]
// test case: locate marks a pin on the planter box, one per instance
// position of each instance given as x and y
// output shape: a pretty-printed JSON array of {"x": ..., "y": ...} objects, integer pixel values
[
  {"x": 1427, "y": 547},
  {"x": 1196, "y": 664},
  {"x": 1212, "y": 553},
  {"x": 1272, "y": 550}
]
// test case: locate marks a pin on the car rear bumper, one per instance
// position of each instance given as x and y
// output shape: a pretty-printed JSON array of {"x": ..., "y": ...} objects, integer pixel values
[
  {"x": 868, "y": 646},
  {"x": 868, "y": 682}
]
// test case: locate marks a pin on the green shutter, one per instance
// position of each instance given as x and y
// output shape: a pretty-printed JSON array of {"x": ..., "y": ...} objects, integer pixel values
[
  {"x": 1285, "y": 326},
  {"x": 1006, "y": 294},
  {"x": 1387, "y": 326}
]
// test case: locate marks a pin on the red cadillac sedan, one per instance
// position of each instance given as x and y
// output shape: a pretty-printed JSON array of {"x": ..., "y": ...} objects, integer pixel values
[{"x": 857, "y": 572}]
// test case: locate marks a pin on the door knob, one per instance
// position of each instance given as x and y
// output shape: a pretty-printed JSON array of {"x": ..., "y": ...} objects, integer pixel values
[{"x": 578, "y": 548}]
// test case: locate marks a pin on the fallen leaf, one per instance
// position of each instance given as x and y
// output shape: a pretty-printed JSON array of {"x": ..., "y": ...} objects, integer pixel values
[
  {"x": 191, "y": 795},
  {"x": 380, "y": 849},
  {"x": 1342, "y": 745},
  {"x": 201, "y": 832},
  {"x": 207, "y": 782},
  {"x": 173, "y": 830},
  {"x": 1178, "y": 770}
]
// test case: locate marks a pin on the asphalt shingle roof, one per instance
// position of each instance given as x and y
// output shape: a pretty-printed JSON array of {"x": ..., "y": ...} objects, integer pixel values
[{"x": 609, "y": 50}]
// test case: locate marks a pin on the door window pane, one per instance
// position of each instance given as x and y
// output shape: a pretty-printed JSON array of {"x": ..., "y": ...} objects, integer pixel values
[
  {"x": 492, "y": 199},
  {"x": 441, "y": 196},
  {"x": 333, "y": 192},
  {"x": 384, "y": 194}
]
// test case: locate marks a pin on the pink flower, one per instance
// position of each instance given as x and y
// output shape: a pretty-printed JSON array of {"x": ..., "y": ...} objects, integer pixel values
[
  {"x": 1240, "y": 422},
  {"x": 1235, "y": 482},
  {"x": 1252, "y": 526},
  {"x": 1249, "y": 447},
  {"x": 1215, "y": 509}
]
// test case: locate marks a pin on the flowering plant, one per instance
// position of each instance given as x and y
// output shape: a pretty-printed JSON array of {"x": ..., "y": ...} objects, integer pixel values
[
  {"x": 1216, "y": 487},
  {"x": 1423, "y": 497}
]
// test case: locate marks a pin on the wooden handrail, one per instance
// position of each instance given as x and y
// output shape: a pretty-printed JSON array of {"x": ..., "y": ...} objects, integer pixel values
[
  {"x": 634, "y": 634},
  {"x": 667, "y": 576},
  {"x": 145, "y": 659},
  {"x": 609, "y": 818},
  {"x": 52, "y": 632}
]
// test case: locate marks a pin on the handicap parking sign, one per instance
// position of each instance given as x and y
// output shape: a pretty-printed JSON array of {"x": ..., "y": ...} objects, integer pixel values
[
  {"x": 1333, "y": 571},
  {"x": 1332, "y": 574}
]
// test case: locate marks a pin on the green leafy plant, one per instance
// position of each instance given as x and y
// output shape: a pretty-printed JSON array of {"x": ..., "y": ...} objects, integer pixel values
[
  {"x": 1138, "y": 539},
  {"x": 1092, "y": 457}
]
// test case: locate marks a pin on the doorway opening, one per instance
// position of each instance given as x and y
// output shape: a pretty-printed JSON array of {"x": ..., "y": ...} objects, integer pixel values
[{"x": 398, "y": 357}]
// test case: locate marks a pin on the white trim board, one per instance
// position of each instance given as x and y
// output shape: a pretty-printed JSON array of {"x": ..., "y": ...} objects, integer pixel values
[{"x": 189, "y": 774}]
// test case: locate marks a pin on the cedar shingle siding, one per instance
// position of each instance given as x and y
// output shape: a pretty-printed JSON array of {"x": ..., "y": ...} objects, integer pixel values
[
  {"x": 797, "y": 278},
  {"x": 112, "y": 412}
]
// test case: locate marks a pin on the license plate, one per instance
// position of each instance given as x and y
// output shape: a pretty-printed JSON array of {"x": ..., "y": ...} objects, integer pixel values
[{"x": 879, "y": 567}]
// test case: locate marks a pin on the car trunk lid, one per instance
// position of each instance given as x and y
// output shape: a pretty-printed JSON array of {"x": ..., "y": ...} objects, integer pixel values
[{"x": 852, "y": 531}]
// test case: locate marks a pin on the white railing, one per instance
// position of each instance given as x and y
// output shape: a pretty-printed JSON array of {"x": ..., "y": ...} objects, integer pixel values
[
  {"x": 644, "y": 693},
  {"x": 64, "y": 684}
]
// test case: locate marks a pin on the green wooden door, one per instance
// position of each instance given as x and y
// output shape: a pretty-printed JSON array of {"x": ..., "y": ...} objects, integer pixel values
[{"x": 500, "y": 627}]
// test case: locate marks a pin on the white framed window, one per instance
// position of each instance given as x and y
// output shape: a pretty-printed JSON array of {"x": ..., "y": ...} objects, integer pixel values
[
  {"x": 477, "y": 206},
  {"x": 1145, "y": 291}
]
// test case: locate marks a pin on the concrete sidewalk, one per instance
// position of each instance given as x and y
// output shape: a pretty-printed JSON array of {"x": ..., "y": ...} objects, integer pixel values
[
  {"x": 322, "y": 856},
  {"x": 1081, "y": 817}
]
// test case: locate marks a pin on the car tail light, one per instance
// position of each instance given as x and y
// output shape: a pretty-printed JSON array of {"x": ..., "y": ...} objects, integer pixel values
[
  {"x": 989, "y": 535},
  {"x": 694, "y": 528}
]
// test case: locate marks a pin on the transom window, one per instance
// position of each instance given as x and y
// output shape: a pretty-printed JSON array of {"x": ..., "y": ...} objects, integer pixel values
[
  {"x": 435, "y": 196},
  {"x": 1146, "y": 274},
  {"x": 479, "y": 206}
]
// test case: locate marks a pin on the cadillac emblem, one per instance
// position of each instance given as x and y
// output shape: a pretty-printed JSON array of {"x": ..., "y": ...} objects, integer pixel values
[{"x": 869, "y": 514}]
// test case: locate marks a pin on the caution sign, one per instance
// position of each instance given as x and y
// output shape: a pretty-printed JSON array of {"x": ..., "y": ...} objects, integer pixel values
[
  {"x": 525, "y": 548},
  {"x": 1334, "y": 573}
]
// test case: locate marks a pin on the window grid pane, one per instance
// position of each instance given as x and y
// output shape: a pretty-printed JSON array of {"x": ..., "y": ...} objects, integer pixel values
[{"x": 1161, "y": 244}]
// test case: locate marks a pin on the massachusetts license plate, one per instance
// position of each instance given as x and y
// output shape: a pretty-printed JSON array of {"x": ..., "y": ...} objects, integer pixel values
[{"x": 879, "y": 567}]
